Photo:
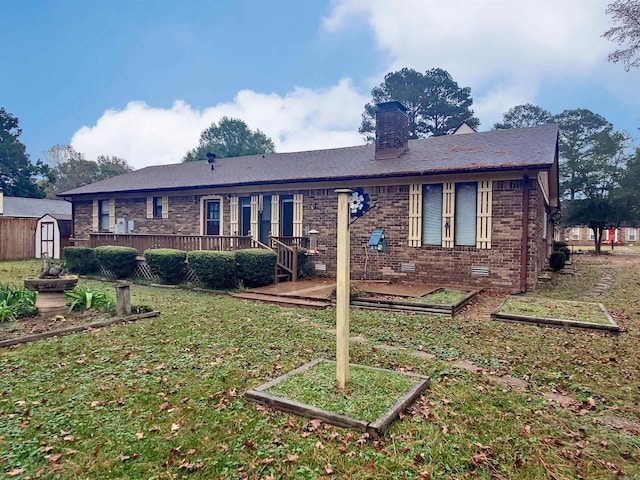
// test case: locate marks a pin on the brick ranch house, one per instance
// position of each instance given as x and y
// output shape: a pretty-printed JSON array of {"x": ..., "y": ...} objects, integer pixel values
[{"x": 470, "y": 208}]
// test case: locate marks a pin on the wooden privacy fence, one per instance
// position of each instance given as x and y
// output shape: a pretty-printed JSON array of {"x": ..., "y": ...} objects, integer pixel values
[{"x": 17, "y": 237}]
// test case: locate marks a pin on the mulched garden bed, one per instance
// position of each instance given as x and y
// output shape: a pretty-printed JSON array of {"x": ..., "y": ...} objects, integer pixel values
[{"x": 29, "y": 329}]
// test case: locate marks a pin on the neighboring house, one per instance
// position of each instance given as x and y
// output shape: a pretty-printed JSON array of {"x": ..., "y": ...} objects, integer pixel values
[
  {"x": 19, "y": 222},
  {"x": 584, "y": 236},
  {"x": 470, "y": 209}
]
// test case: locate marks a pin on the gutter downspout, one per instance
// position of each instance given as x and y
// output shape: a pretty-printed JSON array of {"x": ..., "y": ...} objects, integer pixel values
[{"x": 524, "y": 242}]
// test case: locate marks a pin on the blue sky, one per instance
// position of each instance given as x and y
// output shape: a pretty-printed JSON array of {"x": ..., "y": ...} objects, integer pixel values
[{"x": 141, "y": 79}]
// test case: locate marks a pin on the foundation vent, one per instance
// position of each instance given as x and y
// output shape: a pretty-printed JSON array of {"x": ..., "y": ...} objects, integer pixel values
[
  {"x": 484, "y": 271},
  {"x": 407, "y": 267},
  {"x": 320, "y": 267}
]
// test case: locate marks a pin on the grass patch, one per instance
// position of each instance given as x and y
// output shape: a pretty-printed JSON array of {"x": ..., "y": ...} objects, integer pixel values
[
  {"x": 442, "y": 296},
  {"x": 556, "y": 309},
  {"x": 369, "y": 394}
]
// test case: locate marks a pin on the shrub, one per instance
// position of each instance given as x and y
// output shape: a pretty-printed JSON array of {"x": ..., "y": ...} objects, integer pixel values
[
  {"x": 85, "y": 298},
  {"x": 305, "y": 267},
  {"x": 256, "y": 266},
  {"x": 80, "y": 260},
  {"x": 214, "y": 269},
  {"x": 167, "y": 263},
  {"x": 118, "y": 261},
  {"x": 559, "y": 245},
  {"x": 557, "y": 260},
  {"x": 562, "y": 247},
  {"x": 16, "y": 303}
]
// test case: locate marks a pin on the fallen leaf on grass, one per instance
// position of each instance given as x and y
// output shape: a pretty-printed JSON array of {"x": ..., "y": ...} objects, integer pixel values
[
  {"x": 292, "y": 457},
  {"x": 328, "y": 469},
  {"x": 15, "y": 472},
  {"x": 140, "y": 435}
]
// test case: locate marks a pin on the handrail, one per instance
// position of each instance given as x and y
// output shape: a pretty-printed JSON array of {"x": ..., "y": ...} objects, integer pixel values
[{"x": 287, "y": 257}]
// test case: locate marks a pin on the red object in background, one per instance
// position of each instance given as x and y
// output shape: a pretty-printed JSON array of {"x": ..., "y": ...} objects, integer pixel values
[{"x": 612, "y": 234}]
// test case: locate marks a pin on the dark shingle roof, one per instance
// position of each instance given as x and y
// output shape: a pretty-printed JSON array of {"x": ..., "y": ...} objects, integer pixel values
[
  {"x": 495, "y": 150},
  {"x": 34, "y": 207}
]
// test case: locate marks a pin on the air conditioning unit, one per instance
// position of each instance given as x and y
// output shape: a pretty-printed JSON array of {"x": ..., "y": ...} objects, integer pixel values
[{"x": 124, "y": 226}]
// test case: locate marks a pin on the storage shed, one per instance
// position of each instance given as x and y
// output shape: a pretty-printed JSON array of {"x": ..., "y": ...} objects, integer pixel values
[{"x": 52, "y": 234}]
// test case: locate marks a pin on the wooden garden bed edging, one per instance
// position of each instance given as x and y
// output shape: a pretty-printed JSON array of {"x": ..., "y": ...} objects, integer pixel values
[
  {"x": 76, "y": 328},
  {"x": 375, "y": 428},
  {"x": 418, "y": 307},
  {"x": 558, "y": 322}
]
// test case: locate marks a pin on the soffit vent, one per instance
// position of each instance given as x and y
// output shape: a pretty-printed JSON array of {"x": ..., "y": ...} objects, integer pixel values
[{"x": 480, "y": 271}]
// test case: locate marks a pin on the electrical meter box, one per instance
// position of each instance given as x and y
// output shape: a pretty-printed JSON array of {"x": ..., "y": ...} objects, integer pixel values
[{"x": 377, "y": 242}]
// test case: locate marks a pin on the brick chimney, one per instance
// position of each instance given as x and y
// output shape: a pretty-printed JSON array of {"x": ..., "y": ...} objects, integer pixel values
[{"x": 392, "y": 130}]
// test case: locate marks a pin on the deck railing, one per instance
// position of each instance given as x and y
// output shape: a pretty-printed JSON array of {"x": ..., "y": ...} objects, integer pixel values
[{"x": 142, "y": 242}]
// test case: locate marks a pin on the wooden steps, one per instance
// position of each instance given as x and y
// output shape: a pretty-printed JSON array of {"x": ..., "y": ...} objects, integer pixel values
[{"x": 286, "y": 301}]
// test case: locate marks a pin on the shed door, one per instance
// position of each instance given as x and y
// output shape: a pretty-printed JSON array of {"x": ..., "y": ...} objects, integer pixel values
[{"x": 47, "y": 239}]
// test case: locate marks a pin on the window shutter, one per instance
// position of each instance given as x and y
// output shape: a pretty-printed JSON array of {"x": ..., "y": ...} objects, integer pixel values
[
  {"x": 483, "y": 228},
  {"x": 255, "y": 204},
  {"x": 465, "y": 216},
  {"x": 415, "y": 214},
  {"x": 432, "y": 214},
  {"x": 275, "y": 215},
  {"x": 448, "y": 206},
  {"x": 233, "y": 215},
  {"x": 165, "y": 207},
  {"x": 112, "y": 214},
  {"x": 94, "y": 216},
  {"x": 149, "y": 207},
  {"x": 297, "y": 215}
]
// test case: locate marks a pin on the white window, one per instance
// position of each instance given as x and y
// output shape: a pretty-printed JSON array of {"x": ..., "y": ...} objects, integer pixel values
[
  {"x": 450, "y": 214},
  {"x": 158, "y": 207},
  {"x": 465, "y": 214},
  {"x": 631, "y": 234},
  {"x": 104, "y": 215},
  {"x": 592, "y": 237},
  {"x": 575, "y": 233},
  {"x": 432, "y": 211}
]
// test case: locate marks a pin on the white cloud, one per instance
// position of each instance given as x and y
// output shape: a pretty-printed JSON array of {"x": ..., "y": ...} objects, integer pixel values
[
  {"x": 502, "y": 49},
  {"x": 303, "y": 119}
]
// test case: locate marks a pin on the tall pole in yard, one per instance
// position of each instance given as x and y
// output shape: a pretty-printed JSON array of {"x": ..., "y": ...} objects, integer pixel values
[{"x": 342, "y": 288}]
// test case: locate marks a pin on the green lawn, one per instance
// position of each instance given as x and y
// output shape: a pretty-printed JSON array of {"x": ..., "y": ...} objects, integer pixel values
[{"x": 161, "y": 398}]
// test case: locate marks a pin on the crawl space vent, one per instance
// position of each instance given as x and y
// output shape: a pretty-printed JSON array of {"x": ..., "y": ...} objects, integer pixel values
[
  {"x": 407, "y": 267},
  {"x": 480, "y": 271}
]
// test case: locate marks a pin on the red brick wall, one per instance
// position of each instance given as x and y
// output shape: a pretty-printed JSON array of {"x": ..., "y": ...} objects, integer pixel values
[{"x": 390, "y": 212}]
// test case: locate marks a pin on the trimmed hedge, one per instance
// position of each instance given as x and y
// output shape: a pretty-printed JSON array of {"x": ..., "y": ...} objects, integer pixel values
[
  {"x": 256, "y": 267},
  {"x": 214, "y": 269},
  {"x": 119, "y": 261},
  {"x": 167, "y": 263},
  {"x": 80, "y": 260}
]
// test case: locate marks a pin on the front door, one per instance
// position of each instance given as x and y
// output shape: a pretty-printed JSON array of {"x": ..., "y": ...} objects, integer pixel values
[
  {"x": 47, "y": 239},
  {"x": 264, "y": 219}
]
